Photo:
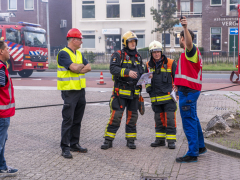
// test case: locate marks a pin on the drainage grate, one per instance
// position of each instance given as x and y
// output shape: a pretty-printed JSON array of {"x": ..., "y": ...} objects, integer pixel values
[
  {"x": 220, "y": 108},
  {"x": 154, "y": 178}
]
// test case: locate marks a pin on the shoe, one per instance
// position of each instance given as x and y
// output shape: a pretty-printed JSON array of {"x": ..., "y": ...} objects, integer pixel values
[
  {"x": 202, "y": 150},
  {"x": 67, "y": 154},
  {"x": 9, "y": 171},
  {"x": 78, "y": 148},
  {"x": 130, "y": 144},
  {"x": 106, "y": 144},
  {"x": 171, "y": 145},
  {"x": 158, "y": 143},
  {"x": 187, "y": 159}
]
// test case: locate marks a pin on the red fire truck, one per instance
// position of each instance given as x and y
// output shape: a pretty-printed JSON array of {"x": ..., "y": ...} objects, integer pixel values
[{"x": 27, "y": 47}]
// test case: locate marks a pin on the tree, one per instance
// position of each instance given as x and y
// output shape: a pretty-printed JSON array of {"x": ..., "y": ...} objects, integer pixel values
[{"x": 164, "y": 17}]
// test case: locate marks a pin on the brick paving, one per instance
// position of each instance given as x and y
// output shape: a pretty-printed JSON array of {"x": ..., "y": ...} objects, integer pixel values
[{"x": 34, "y": 139}]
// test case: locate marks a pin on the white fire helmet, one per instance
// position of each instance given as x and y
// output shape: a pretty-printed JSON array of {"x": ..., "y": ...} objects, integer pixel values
[{"x": 155, "y": 46}]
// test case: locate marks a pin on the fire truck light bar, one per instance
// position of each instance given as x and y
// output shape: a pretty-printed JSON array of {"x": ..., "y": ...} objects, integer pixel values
[{"x": 29, "y": 24}]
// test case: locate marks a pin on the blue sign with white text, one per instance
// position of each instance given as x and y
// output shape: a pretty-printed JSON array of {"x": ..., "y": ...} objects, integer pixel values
[{"x": 233, "y": 31}]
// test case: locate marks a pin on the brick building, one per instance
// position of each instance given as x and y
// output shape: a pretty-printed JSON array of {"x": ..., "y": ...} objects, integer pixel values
[
  {"x": 219, "y": 25},
  {"x": 192, "y": 9}
]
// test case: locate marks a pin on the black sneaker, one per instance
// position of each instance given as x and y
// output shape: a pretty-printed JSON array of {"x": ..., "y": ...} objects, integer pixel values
[
  {"x": 186, "y": 159},
  {"x": 9, "y": 172},
  {"x": 202, "y": 150}
]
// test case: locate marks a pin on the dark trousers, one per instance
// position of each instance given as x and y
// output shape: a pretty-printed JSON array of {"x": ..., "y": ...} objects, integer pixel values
[
  {"x": 165, "y": 121},
  {"x": 116, "y": 116},
  {"x": 72, "y": 113}
]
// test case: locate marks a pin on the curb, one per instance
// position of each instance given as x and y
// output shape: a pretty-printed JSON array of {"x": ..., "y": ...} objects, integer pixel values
[
  {"x": 217, "y": 72},
  {"x": 222, "y": 149}
]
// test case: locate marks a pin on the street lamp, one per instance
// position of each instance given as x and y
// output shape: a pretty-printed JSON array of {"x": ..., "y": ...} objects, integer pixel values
[{"x": 48, "y": 32}]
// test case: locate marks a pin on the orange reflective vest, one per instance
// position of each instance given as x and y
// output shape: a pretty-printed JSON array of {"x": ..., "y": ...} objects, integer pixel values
[
  {"x": 7, "y": 101},
  {"x": 189, "y": 74}
]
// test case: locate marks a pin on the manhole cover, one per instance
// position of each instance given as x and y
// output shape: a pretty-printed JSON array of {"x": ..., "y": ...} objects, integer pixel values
[
  {"x": 154, "y": 178},
  {"x": 220, "y": 108}
]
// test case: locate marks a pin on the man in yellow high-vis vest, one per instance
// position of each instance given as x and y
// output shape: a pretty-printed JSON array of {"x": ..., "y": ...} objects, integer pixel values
[{"x": 72, "y": 67}]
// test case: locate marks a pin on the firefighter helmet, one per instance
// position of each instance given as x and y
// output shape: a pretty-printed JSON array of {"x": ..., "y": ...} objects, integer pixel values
[
  {"x": 74, "y": 33},
  {"x": 129, "y": 36},
  {"x": 155, "y": 46}
]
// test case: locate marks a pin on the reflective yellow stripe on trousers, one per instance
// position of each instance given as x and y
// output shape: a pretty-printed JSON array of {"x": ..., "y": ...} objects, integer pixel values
[
  {"x": 171, "y": 137},
  {"x": 131, "y": 135},
  {"x": 160, "y": 135}
]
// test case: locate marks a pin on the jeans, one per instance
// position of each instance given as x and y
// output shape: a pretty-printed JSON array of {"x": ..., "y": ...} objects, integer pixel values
[
  {"x": 190, "y": 121},
  {"x": 4, "y": 124}
]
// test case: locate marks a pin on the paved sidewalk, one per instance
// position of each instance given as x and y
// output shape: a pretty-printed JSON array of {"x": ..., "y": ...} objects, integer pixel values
[{"x": 34, "y": 138}]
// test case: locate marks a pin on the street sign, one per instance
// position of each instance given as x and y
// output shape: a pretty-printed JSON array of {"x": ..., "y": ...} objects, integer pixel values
[{"x": 233, "y": 31}]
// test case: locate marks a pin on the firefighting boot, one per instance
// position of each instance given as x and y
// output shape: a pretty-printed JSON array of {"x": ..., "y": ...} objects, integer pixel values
[
  {"x": 158, "y": 142},
  {"x": 130, "y": 144},
  {"x": 106, "y": 144},
  {"x": 171, "y": 145}
]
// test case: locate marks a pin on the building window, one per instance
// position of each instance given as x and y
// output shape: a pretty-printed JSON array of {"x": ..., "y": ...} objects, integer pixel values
[
  {"x": 141, "y": 41},
  {"x": 88, "y": 39},
  {"x": 167, "y": 40},
  {"x": 88, "y": 9},
  {"x": 185, "y": 5},
  {"x": 197, "y": 6},
  {"x": 113, "y": 9},
  {"x": 177, "y": 37},
  {"x": 29, "y": 4},
  {"x": 216, "y": 39},
  {"x": 12, "y": 4},
  {"x": 141, "y": 38},
  {"x": 216, "y": 2},
  {"x": 138, "y": 8}
]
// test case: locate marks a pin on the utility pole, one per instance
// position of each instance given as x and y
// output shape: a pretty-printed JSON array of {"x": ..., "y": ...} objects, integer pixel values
[
  {"x": 37, "y": 12},
  {"x": 48, "y": 32}
]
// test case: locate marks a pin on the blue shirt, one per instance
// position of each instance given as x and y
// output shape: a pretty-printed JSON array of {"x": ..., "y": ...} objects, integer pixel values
[
  {"x": 3, "y": 78},
  {"x": 65, "y": 60}
]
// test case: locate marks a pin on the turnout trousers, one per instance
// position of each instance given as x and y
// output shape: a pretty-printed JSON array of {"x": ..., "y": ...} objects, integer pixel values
[
  {"x": 190, "y": 122},
  {"x": 72, "y": 113},
  {"x": 116, "y": 116},
  {"x": 165, "y": 121}
]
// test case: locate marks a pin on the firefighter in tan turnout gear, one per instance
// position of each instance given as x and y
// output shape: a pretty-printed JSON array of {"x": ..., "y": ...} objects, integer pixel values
[
  {"x": 126, "y": 68},
  {"x": 159, "y": 90}
]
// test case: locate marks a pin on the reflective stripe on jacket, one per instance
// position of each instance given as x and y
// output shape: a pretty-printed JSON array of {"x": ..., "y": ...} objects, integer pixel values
[
  {"x": 68, "y": 80},
  {"x": 161, "y": 83},
  {"x": 189, "y": 74},
  {"x": 120, "y": 64},
  {"x": 7, "y": 101}
]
